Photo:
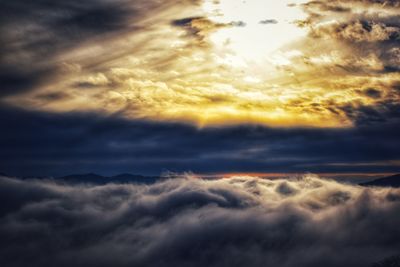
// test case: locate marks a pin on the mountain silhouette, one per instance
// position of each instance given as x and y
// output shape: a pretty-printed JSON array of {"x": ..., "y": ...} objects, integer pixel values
[
  {"x": 392, "y": 181},
  {"x": 93, "y": 178},
  {"x": 389, "y": 262}
]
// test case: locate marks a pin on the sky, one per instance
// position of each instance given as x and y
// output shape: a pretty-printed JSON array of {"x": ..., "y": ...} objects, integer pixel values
[{"x": 210, "y": 87}]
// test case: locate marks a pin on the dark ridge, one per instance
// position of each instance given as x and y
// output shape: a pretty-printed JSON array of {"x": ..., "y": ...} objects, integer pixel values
[
  {"x": 392, "y": 181},
  {"x": 92, "y": 178},
  {"x": 389, "y": 262},
  {"x": 87, "y": 175},
  {"x": 134, "y": 178}
]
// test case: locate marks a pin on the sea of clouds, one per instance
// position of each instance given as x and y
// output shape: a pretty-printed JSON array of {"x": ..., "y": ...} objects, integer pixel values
[{"x": 241, "y": 221}]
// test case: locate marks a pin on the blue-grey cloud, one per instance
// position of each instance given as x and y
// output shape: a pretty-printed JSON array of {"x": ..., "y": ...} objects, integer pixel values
[
  {"x": 35, "y": 143},
  {"x": 33, "y": 34},
  {"x": 194, "y": 222}
]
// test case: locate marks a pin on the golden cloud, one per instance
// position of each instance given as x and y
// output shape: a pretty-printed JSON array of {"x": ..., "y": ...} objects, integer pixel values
[{"x": 194, "y": 65}]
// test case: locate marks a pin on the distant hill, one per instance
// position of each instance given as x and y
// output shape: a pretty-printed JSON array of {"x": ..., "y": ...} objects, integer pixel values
[
  {"x": 389, "y": 262},
  {"x": 129, "y": 178},
  {"x": 93, "y": 178},
  {"x": 392, "y": 181}
]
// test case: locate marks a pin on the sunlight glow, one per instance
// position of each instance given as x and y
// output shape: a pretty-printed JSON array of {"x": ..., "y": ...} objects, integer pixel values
[
  {"x": 228, "y": 62},
  {"x": 259, "y": 27}
]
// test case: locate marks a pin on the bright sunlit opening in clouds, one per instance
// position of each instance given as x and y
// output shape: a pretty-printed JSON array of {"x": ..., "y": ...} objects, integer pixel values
[{"x": 259, "y": 27}]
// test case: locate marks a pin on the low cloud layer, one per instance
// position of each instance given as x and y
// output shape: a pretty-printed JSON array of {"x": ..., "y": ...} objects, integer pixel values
[{"x": 193, "y": 222}]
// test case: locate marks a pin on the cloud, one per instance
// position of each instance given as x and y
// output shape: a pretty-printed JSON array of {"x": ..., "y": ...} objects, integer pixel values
[
  {"x": 109, "y": 145},
  {"x": 359, "y": 31},
  {"x": 194, "y": 222},
  {"x": 372, "y": 92},
  {"x": 269, "y": 21},
  {"x": 36, "y": 33},
  {"x": 44, "y": 34},
  {"x": 238, "y": 23},
  {"x": 198, "y": 27},
  {"x": 354, "y": 43},
  {"x": 194, "y": 62}
]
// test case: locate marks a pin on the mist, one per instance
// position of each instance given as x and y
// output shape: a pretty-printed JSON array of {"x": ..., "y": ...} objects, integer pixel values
[{"x": 189, "y": 221}]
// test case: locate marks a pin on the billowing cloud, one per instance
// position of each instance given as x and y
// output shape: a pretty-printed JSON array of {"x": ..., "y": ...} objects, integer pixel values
[
  {"x": 359, "y": 31},
  {"x": 240, "y": 221}
]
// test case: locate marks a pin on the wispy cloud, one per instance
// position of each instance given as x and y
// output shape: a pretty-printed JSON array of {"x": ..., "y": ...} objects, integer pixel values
[{"x": 194, "y": 62}]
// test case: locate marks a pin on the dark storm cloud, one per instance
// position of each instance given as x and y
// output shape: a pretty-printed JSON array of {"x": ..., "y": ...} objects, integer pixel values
[
  {"x": 57, "y": 144},
  {"x": 373, "y": 93},
  {"x": 34, "y": 33},
  {"x": 383, "y": 111},
  {"x": 193, "y": 222},
  {"x": 14, "y": 79}
]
